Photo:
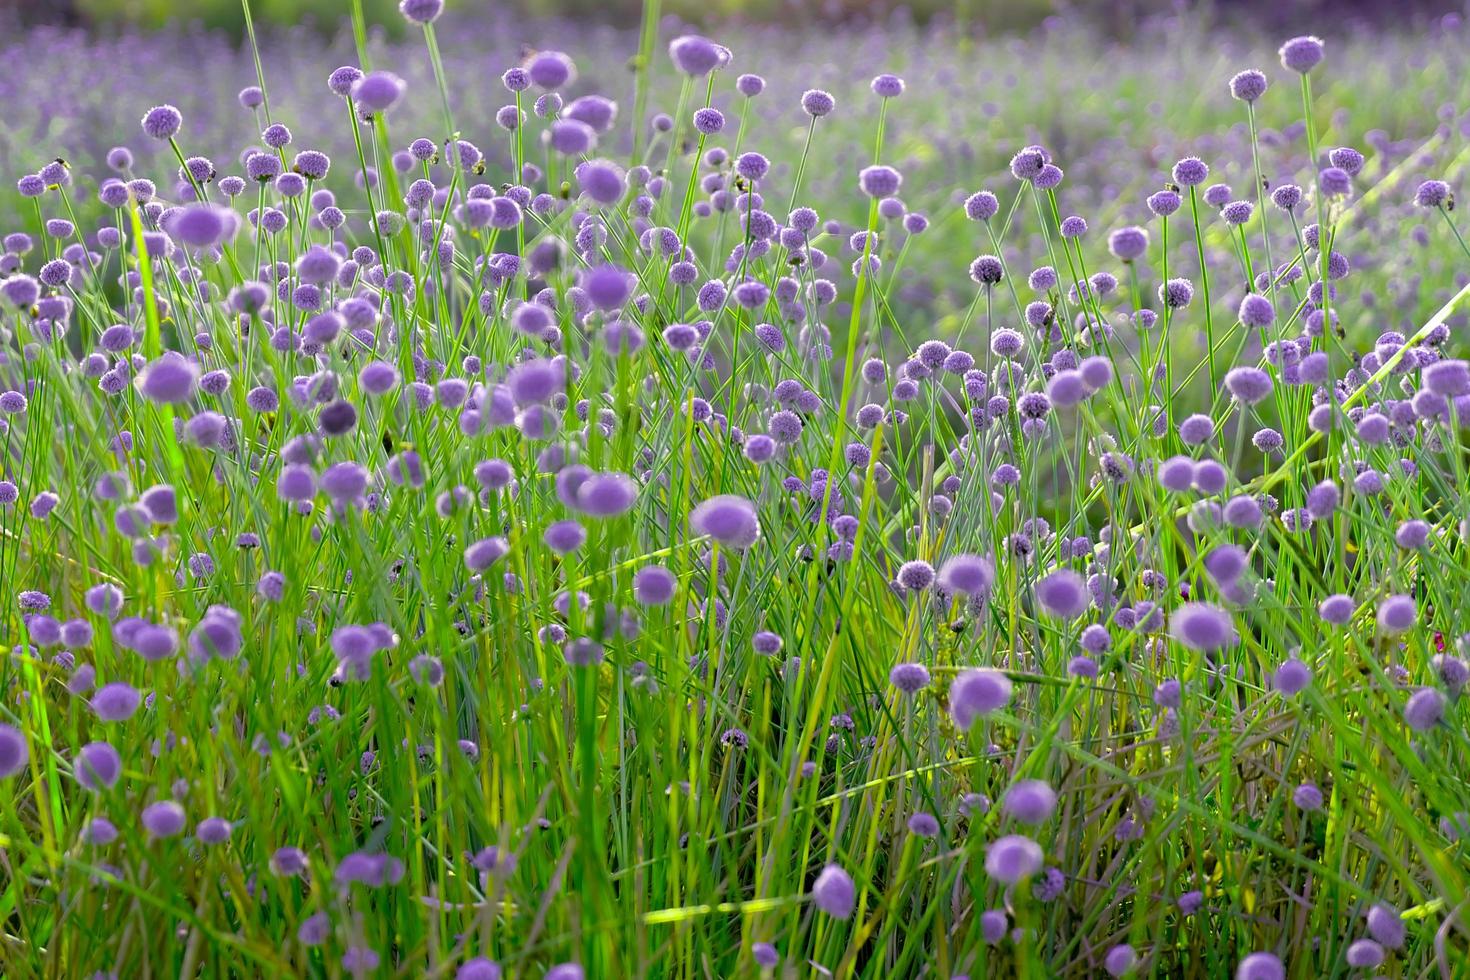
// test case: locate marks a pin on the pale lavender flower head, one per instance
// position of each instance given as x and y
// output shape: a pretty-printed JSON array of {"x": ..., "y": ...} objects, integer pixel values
[
  {"x": 1248, "y": 85},
  {"x": 1302, "y": 54},
  {"x": 1030, "y": 801},
  {"x": 163, "y": 819},
  {"x": 1063, "y": 594},
  {"x": 697, "y": 56},
  {"x": 14, "y": 753},
  {"x": 729, "y": 519},
  {"x": 98, "y": 766},
  {"x": 834, "y": 893},
  {"x": 975, "y": 693},
  {"x": 1202, "y": 627},
  {"x": 1012, "y": 858}
]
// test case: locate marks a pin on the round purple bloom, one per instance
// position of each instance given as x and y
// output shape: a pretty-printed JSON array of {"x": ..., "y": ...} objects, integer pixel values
[
  {"x": 729, "y": 519},
  {"x": 163, "y": 819},
  {"x": 1302, "y": 54},
  {"x": 1012, "y": 858},
  {"x": 98, "y": 766},
  {"x": 1063, "y": 594},
  {"x": 834, "y": 893},
  {"x": 977, "y": 692},
  {"x": 162, "y": 122},
  {"x": 1202, "y": 627}
]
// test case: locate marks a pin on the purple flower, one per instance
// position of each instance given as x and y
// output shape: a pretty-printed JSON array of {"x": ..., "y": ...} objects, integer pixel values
[
  {"x": 163, "y": 819},
  {"x": 377, "y": 91},
  {"x": 1260, "y": 966},
  {"x": 162, "y": 122},
  {"x": 1302, "y": 54},
  {"x": 696, "y": 56},
  {"x": 974, "y": 693},
  {"x": 1202, "y": 627},
  {"x": 729, "y": 519},
  {"x": 97, "y": 766},
  {"x": 1030, "y": 801},
  {"x": 14, "y": 753},
  {"x": 969, "y": 574},
  {"x": 1012, "y": 858},
  {"x": 1063, "y": 594},
  {"x": 834, "y": 893}
]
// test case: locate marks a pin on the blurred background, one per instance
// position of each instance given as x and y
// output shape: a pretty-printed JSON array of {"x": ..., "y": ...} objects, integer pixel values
[{"x": 1115, "y": 17}]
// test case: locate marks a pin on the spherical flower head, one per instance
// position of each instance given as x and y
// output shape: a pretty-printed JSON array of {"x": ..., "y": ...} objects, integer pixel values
[
  {"x": 817, "y": 103},
  {"x": 1248, "y": 385},
  {"x": 1030, "y": 801},
  {"x": 378, "y": 91},
  {"x": 750, "y": 85},
  {"x": 516, "y": 79},
  {"x": 420, "y": 11},
  {"x": 1202, "y": 627},
  {"x": 709, "y": 120},
  {"x": 1292, "y": 677},
  {"x": 1432, "y": 194},
  {"x": 14, "y": 752},
  {"x": 1302, "y": 54},
  {"x": 550, "y": 70},
  {"x": 696, "y": 55},
  {"x": 162, "y": 122},
  {"x": 485, "y": 552},
  {"x": 1129, "y": 243},
  {"x": 1336, "y": 610},
  {"x": 975, "y": 693},
  {"x": 1386, "y": 926},
  {"x": 887, "y": 86},
  {"x": 1063, "y": 594},
  {"x": 479, "y": 968},
  {"x": 1120, "y": 960},
  {"x": 1012, "y": 859},
  {"x": 1364, "y": 954},
  {"x": 1164, "y": 203},
  {"x": 169, "y": 380},
  {"x": 1307, "y": 797},
  {"x": 1073, "y": 226},
  {"x": 987, "y": 270},
  {"x": 213, "y": 830},
  {"x": 564, "y": 537},
  {"x": 1176, "y": 293},
  {"x": 982, "y": 206},
  {"x": 341, "y": 80},
  {"x": 1335, "y": 181},
  {"x": 1196, "y": 430},
  {"x": 653, "y": 585},
  {"x": 1396, "y": 614},
  {"x": 915, "y": 575},
  {"x": 1424, "y": 709},
  {"x": 163, "y": 819},
  {"x": 1028, "y": 163},
  {"x": 1260, "y": 966},
  {"x": 606, "y": 494},
  {"x": 1191, "y": 171},
  {"x": 1256, "y": 311},
  {"x": 729, "y": 519},
  {"x": 1287, "y": 197},
  {"x": 968, "y": 574},
  {"x": 97, "y": 766},
  {"x": 923, "y": 824},
  {"x": 571, "y": 137},
  {"x": 1447, "y": 378},
  {"x": 879, "y": 180},
  {"x": 834, "y": 893},
  {"x": 753, "y": 166},
  {"x": 1248, "y": 85},
  {"x": 910, "y": 678}
]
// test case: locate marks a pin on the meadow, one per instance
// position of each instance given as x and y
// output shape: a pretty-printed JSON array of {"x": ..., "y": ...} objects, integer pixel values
[{"x": 518, "y": 497}]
